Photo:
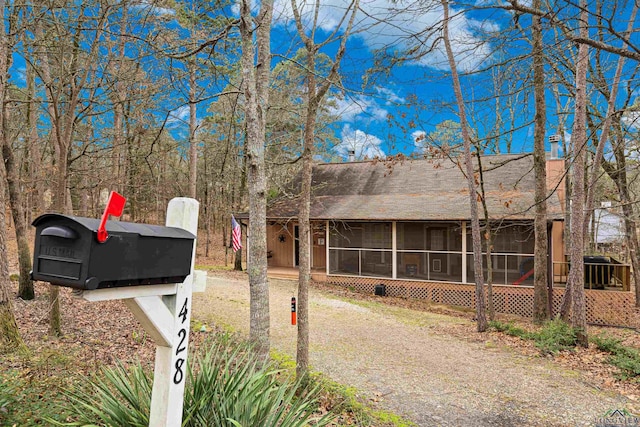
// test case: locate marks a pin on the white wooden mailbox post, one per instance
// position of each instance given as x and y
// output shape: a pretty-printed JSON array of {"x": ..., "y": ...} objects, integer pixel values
[{"x": 165, "y": 313}]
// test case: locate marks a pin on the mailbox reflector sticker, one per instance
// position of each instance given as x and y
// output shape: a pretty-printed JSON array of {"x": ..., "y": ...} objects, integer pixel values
[{"x": 57, "y": 267}]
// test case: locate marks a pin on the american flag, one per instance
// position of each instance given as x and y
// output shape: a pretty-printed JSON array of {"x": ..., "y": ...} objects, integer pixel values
[{"x": 236, "y": 235}]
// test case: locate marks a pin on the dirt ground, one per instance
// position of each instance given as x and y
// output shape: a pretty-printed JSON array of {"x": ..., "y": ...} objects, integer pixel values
[{"x": 407, "y": 361}]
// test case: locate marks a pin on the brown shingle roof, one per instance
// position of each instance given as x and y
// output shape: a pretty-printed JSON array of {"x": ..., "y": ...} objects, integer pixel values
[{"x": 415, "y": 190}]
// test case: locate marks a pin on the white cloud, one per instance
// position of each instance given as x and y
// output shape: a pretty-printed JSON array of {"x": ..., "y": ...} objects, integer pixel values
[
  {"x": 632, "y": 118},
  {"x": 359, "y": 106},
  {"x": 383, "y": 24},
  {"x": 390, "y": 96},
  {"x": 147, "y": 5},
  {"x": 328, "y": 17},
  {"x": 178, "y": 116},
  {"x": 419, "y": 137},
  {"x": 19, "y": 75},
  {"x": 364, "y": 145}
]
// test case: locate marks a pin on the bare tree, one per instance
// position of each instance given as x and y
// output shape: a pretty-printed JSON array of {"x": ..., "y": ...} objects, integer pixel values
[
  {"x": 9, "y": 334},
  {"x": 540, "y": 280},
  {"x": 16, "y": 197},
  {"x": 315, "y": 94},
  {"x": 573, "y": 306},
  {"x": 618, "y": 174},
  {"x": 606, "y": 125},
  {"x": 468, "y": 160},
  {"x": 255, "y": 84},
  {"x": 66, "y": 70}
]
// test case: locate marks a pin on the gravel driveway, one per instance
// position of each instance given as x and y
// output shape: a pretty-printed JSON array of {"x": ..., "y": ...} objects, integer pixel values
[{"x": 400, "y": 359}]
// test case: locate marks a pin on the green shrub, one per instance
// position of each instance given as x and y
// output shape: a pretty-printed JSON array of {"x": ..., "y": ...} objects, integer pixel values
[
  {"x": 510, "y": 329},
  {"x": 555, "y": 335},
  {"x": 228, "y": 385},
  {"x": 628, "y": 362},
  {"x": 626, "y": 359},
  {"x": 607, "y": 344}
]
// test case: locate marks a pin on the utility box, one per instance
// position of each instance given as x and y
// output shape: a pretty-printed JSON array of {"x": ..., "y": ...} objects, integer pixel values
[{"x": 68, "y": 253}]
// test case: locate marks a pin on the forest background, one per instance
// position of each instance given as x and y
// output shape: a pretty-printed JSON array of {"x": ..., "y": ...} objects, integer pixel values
[{"x": 214, "y": 100}]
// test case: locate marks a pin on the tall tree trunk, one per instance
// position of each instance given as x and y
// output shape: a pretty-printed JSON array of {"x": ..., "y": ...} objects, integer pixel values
[
  {"x": 574, "y": 310},
  {"x": 25, "y": 287},
  {"x": 314, "y": 96},
  {"x": 236, "y": 197},
  {"x": 59, "y": 205},
  {"x": 488, "y": 237},
  {"x": 16, "y": 199},
  {"x": 541, "y": 251},
  {"x": 255, "y": 85},
  {"x": 304, "y": 268},
  {"x": 33, "y": 166},
  {"x": 55, "y": 137},
  {"x": 9, "y": 334},
  {"x": 304, "y": 208},
  {"x": 481, "y": 316}
]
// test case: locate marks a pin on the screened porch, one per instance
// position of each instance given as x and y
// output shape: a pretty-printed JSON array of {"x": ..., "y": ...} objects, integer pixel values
[{"x": 431, "y": 251}]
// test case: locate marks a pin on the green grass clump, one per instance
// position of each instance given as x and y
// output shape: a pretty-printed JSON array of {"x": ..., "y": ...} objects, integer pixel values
[
  {"x": 389, "y": 418},
  {"x": 626, "y": 359},
  {"x": 510, "y": 329},
  {"x": 606, "y": 343},
  {"x": 554, "y": 336}
]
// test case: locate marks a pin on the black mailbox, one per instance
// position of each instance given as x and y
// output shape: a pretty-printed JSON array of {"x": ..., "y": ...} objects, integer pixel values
[{"x": 67, "y": 253}]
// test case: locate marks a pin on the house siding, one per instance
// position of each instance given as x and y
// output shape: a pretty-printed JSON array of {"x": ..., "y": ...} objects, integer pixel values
[{"x": 280, "y": 245}]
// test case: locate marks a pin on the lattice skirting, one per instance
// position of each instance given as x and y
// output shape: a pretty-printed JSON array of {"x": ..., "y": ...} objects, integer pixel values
[{"x": 614, "y": 308}]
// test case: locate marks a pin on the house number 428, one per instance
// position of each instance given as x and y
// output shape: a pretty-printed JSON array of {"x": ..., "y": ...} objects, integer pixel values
[{"x": 178, "y": 377}]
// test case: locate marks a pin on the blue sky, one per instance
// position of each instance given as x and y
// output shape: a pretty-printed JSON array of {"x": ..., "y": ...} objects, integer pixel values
[
  {"x": 388, "y": 114},
  {"x": 385, "y": 116}
]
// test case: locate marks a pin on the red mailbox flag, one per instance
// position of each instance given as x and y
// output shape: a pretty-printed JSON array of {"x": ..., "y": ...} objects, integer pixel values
[{"x": 115, "y": 205}]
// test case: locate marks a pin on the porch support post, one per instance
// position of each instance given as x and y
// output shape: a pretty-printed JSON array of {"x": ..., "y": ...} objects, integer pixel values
[
  {"x": 326, "y": 246},
  {"x": 464, "y": 251},
  {"x": 394, "y": 251},
  {"x": 311, "y": 233}
]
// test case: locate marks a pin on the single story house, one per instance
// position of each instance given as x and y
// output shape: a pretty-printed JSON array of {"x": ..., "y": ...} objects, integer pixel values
[{"x": 405, "y": 224}]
